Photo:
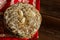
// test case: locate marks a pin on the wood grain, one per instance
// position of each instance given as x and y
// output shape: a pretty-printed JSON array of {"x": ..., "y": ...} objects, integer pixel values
[
  {"x": 50, "y": 29},
  {"x": 51, "y": 7}
]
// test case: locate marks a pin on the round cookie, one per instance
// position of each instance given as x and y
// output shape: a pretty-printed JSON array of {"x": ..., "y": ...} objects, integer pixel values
[{"x": 23, "y": 19}]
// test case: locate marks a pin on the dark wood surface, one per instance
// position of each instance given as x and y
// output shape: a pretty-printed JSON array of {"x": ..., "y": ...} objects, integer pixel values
[
  {"x": 49, "y": 34},
  {"x": 50, "y": 11},
  {"x": 51, "y": 7}
]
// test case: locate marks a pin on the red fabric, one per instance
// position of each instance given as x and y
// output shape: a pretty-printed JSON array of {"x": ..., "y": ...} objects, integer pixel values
[
  {"x": 16, "y": 1},
  {"x": 30, "y": 1},
  {"x": 5, "y": 6},
  {"x": 38, "y": 4},
  {"x": 35, "y": 37}
]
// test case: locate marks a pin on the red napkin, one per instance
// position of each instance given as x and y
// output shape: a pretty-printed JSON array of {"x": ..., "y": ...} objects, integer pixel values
[{"x": 9, "y": 2}]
